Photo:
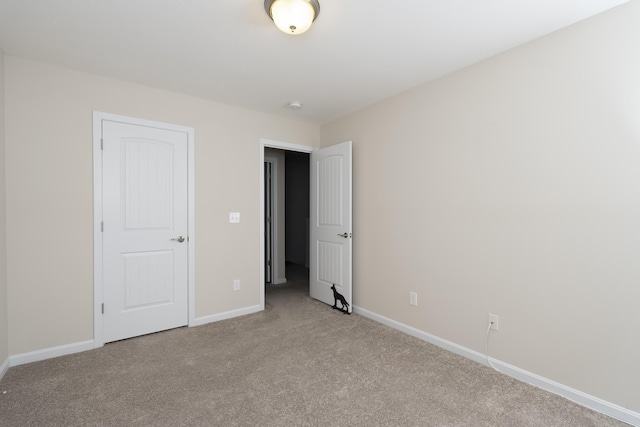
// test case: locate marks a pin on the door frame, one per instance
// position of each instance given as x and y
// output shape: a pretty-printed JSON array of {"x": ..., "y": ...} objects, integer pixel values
[
  {"x": 273, "y": 162},
  {"x": 269, "y": 143},
  {"x": 276, "y": 274},
  {"x": 98, "y": 284}
]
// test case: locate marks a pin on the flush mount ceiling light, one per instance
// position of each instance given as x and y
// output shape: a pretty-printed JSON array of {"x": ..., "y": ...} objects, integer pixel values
[{"x": 292, "y": 16}]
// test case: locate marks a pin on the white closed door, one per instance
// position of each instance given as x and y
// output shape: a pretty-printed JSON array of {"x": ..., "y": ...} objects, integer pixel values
[
  {"x": 145, "y": 216},
  {"x": 331, "y": 221}
]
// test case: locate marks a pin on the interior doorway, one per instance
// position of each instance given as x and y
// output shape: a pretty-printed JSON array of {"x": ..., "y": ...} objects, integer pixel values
[{"x": 285, "y": 214}]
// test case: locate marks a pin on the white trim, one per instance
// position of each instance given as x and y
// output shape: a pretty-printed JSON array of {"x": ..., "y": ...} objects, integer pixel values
[
  {"x": 226, "y": 315},
  {"x": 98, "y": 117},
  {"x": 191, "y": 226},
  {"x": 97, "y": 232},
  {"x": 581, "y": 398},
  {"x": 584, "y": 399},
  {"x": 275, "y": 254},
  {"x": 269, "y": 143},
  {"x": 49, "y": 353},
  {"x": 279, "y": 145},
  {"x": 4, "y": 368}
]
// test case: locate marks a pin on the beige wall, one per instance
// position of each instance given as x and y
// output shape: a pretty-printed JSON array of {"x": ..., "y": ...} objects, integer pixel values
[
  {"x": 4, "y": 331},
  {"x": 513, "y": 187},
  {"x": 50, "y": 190}
]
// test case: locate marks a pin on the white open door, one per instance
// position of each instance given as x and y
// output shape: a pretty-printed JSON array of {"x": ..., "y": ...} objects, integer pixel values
[
  {"x": 145, "y": 216},
  {"x": 331, "y": 216}
]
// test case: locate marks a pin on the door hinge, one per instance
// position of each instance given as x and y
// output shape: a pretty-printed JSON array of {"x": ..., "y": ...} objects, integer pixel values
[
  {"x": 102, "y": 144},
  {"x": 102, "y": 308},
  {"x": 102, "y": 226}
]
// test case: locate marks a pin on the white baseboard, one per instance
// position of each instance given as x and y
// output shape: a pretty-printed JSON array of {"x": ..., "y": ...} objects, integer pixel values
[
  {"x": 279, "y": 281},
  {"x": 584, "y": 399},
  {"x": 48, "y": 353},
  {"x": 4, "y": 368},
  {"x": 63, "y": 350},
  {"x": 226, "y": 315}
]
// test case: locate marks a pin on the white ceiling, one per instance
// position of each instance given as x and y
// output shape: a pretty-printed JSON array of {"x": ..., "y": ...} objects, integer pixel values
[{"x": 356, "y": 53}]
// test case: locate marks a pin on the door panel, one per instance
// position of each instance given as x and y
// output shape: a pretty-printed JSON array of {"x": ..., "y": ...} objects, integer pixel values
[
  {"x": 147, "y": 279},
  {"x": 145, "y": 210},
  {"x": 147, "y": 179},
  {"x": 331, "y": 222}
]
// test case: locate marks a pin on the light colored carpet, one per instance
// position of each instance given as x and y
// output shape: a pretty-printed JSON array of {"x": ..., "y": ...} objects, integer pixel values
[{"x": 298, "y": 363}]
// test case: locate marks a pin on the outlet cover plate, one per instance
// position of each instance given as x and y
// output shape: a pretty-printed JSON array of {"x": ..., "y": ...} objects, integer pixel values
[{"x": 493, "y": 318}]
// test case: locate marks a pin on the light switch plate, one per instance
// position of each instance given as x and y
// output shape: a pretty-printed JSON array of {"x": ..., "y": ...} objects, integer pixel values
[
  {"x": 234, "y": 217},
  {"x": 413, "y": 298}
]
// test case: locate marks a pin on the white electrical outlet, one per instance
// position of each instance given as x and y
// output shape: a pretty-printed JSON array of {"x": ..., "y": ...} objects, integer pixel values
[
  {"x": 493, "y": 319},
  {"x": 236, "y": 285},
  {"x": 413, "y": 298}
]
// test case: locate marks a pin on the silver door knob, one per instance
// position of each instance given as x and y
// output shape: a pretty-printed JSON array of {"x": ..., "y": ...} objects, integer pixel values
[
  {"x": 179, "y": 239},
  {"x": 345, "y": 235}
]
